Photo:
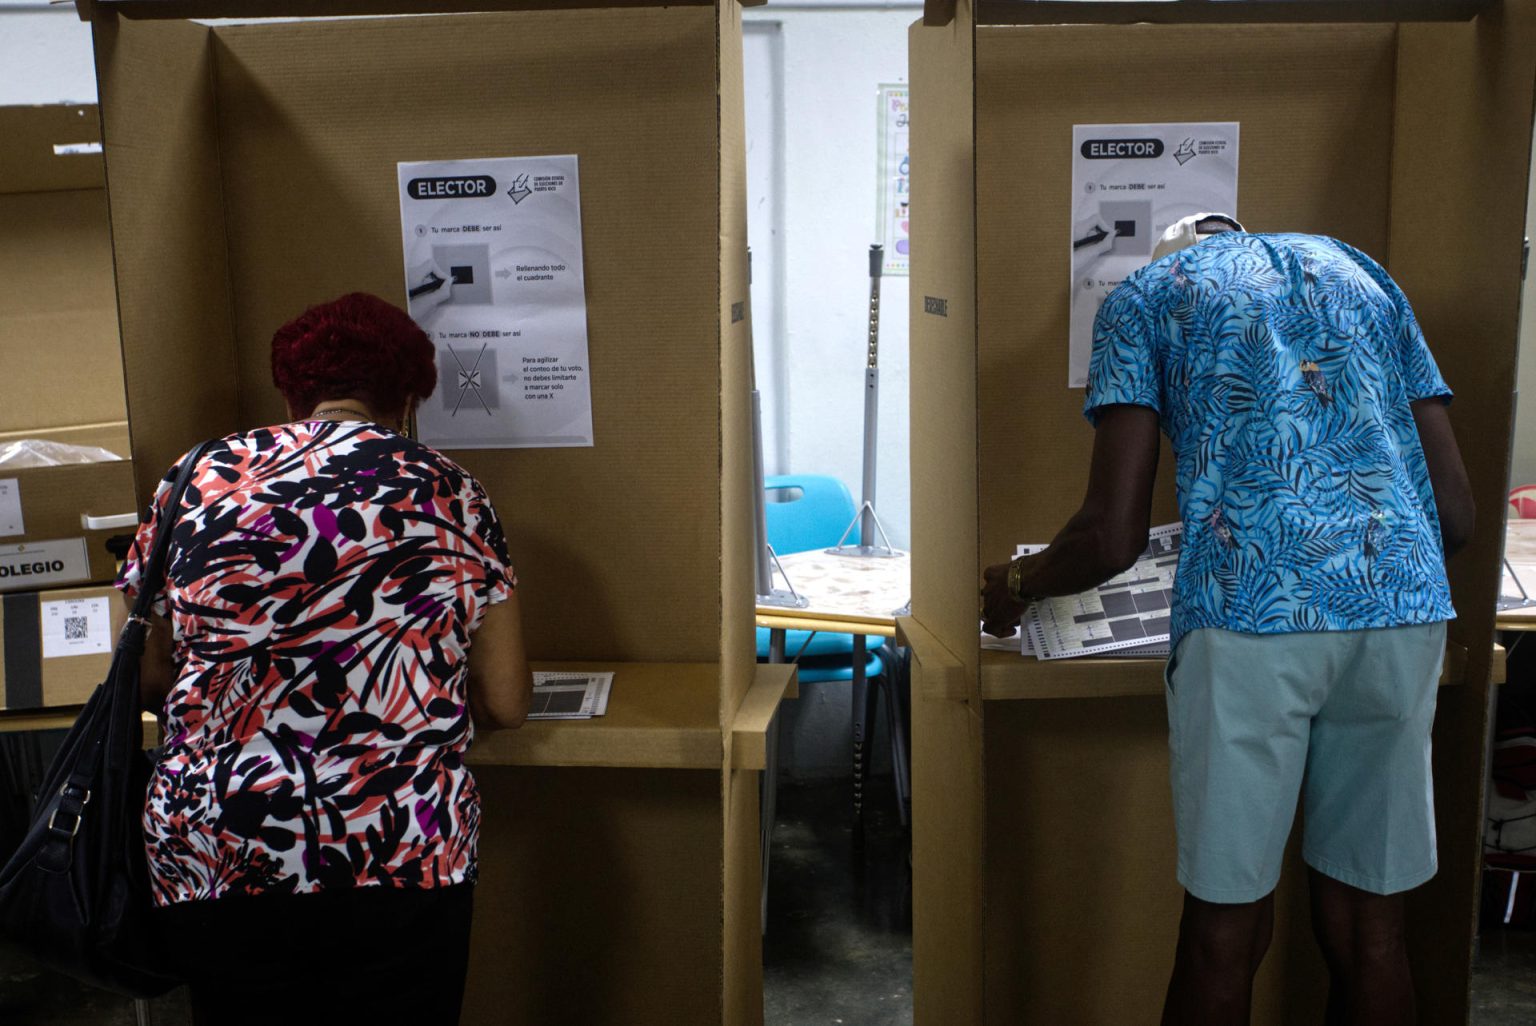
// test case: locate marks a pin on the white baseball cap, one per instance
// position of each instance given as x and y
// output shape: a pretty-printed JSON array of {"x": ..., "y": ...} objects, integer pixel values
[{"x": 1182, "y": 232}]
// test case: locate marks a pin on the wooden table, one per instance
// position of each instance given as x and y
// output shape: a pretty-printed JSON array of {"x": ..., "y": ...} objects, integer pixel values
[
  {"x": 1520, "y": 555},
  {"x": 856, "y": 595}
]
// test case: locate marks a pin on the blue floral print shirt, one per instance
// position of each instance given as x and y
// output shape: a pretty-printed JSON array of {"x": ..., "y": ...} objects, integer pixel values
[{"x": 1281, "y": 368}]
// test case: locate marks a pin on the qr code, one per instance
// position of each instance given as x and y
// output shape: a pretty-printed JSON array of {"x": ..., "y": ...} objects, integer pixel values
[{"x": 77, "y": 628}]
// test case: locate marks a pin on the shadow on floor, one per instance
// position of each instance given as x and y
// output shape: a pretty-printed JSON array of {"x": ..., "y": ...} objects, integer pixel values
[
  {"x": 838, "y": 944},
  {"x": 32, "y": 996},
  {"x": 1504, "y": 978}
]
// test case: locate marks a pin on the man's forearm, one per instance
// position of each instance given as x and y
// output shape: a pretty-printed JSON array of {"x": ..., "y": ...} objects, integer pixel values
[
  {"x": 1106, "y": 534},
  {"x": 1084, "y": 555}
]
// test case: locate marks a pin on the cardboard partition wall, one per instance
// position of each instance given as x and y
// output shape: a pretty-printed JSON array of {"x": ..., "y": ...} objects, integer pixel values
[
  {"x": 252, "y": 173},
  {"x": 1045, "y": 889},
  {"x": 62, "y": 379}
]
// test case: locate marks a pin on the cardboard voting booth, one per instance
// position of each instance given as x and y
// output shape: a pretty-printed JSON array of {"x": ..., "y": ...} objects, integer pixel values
[
  {"x": 252, "y": 173},
  {"x": 1045, "y": 886},
  {"x": 62, "y": 379}
]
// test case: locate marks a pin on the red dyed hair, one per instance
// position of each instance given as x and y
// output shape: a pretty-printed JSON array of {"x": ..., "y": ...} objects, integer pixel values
[{"x": 355, "y": 347}]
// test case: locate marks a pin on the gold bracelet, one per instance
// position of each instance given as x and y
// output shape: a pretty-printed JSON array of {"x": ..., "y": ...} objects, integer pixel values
[{"x": 1015, "y": 573}]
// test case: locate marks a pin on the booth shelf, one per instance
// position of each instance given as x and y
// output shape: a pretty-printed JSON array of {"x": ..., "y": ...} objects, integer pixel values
[
  {"x": 751, "y": 727},
  {"x": 660, "y": 716},
  {"x": 60, "y": 719}
]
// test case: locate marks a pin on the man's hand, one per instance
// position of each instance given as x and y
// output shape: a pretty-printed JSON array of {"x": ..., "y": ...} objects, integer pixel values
[{"x": 1000, "y": 611}]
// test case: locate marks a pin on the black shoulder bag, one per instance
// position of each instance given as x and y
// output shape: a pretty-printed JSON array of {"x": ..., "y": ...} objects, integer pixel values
[{"x": 76, "y": 892}]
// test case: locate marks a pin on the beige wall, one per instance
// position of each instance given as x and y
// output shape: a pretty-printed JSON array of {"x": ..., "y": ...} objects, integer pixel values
[{"x": 1523, "y": 463}]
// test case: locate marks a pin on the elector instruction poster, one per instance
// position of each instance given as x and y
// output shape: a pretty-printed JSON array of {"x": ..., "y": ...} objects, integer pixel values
[
  {"x": 494, "y": 275},
  {"x": 1129, "y": 183}
]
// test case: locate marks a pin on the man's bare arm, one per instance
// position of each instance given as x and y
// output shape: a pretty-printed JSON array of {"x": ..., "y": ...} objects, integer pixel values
[
  {"x": 1447, "y": 474},
  {"x": 1105, "y": 535}
]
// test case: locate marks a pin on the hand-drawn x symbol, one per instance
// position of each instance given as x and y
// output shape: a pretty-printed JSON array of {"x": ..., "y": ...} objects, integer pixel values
[{"x": 469, "y": 380}]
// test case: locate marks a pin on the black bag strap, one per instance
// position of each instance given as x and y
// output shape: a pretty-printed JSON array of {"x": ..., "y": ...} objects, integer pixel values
[
  {"x": 152, "y": 577},
  {"x": 76, "y": 791}
]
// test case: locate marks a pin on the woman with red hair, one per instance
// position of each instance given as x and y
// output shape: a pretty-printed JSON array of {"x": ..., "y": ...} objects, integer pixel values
[{"x": 311, "y": 826}]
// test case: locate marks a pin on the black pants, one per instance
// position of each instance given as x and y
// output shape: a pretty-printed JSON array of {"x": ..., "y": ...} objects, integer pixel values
[{"x": 363, "y": 955}]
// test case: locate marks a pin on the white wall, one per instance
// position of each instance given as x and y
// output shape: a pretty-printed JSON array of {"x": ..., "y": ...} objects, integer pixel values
[
  {"x": 832, "y": 56},
  {"x": 45, "y": 55}
]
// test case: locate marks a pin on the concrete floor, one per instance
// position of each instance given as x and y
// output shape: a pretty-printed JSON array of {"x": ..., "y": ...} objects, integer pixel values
[
  {"x": 1504, "y": 978},
  {"x": 838, "y": 945},
  {"x": 838, "y": 948}
]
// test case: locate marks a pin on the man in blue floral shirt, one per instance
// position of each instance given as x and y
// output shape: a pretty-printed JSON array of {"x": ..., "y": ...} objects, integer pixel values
[{"x": 1320, "y": 488}]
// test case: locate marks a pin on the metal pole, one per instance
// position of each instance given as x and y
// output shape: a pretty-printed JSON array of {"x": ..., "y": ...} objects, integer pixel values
[
  {"x": 871, "y": 399},
  {"x": 763, "y": 569},
  {"x": 867, "y": 519},
  {"x": 762, "y": 556}
]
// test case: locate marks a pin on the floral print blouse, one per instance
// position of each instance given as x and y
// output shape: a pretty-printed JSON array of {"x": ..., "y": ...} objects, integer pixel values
[{"x": 323, "y": 584}]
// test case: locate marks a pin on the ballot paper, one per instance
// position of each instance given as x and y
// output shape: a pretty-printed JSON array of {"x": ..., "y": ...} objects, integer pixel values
[
  {"x": 1007, "y": 643},
  {"x": 569, "y": 696},
  {"x": 1126, "y": 616},
  {"x": 494, "y": 275},
  {"x": 1129, "y": 183}
]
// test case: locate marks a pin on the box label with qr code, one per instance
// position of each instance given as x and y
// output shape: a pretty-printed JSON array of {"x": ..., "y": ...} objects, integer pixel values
[{"x": 74, "y": 627}]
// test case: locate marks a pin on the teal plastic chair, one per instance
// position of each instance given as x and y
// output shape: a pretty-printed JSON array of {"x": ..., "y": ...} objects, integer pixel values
[
  {"x": 815, "y": 672},
  {"x": 806, "y": 511}
]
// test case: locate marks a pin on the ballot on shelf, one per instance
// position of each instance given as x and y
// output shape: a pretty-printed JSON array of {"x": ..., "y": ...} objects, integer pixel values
[{"x": 565, "y": 695}]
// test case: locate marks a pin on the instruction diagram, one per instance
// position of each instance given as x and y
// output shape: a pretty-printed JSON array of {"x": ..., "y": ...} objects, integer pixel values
[
  {"x": 1129, "y": 183},
  {"x": 495, "y": 276}
]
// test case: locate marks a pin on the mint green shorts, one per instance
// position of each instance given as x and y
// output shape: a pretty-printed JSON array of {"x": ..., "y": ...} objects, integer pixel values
[{"x": 1339, "y": 718}]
